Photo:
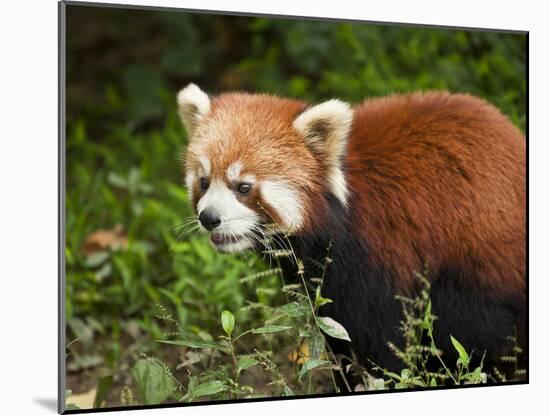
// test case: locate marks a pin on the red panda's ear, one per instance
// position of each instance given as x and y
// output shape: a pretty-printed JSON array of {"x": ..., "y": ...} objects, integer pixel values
[
  {"x": 193, "y": 105},
  {"x": 326, "y": 128}
]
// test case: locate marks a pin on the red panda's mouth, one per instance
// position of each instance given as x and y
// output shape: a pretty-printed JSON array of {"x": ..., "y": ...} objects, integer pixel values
[{"x": 220, "y": 239}]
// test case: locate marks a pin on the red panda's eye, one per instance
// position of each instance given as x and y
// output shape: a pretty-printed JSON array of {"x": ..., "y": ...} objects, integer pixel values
[
  {"x": 244, "y": 188},
  {"x": 204, "y": 183}
]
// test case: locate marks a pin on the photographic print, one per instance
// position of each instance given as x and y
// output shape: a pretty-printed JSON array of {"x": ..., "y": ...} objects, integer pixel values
[{"x": 273, "y": 207}]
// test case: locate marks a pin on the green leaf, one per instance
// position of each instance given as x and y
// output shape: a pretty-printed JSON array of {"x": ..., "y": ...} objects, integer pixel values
[
  {"x": 333, "y": 328},
  {"x": 116, "y": 180},
  {"x": 463, "y": 357},
  {"x": 195, "y": 344},
  {"x": 270, "y": 329},
  {"x": 209, "y": 388},
  {"x": 246, "y": 362},
  {"x": 406, "y": 374},
  {"x": 483, "y": 377},
  {"x": 69, "y": 258},
  {"x": 427, "y": 323},
  {"x": 103, "y": 272},
  {"x": 287, "y": 391},
  {"x": 154, "y": 382},
  {"x": 228, "y": 322},
  {"x": 293, "y": 309},
  {"x": 477, "y": 376},
  {"x": 96, "y": 259},
  {"x": 317, "y": 344},
  {"x": 69, "y": 406},
  {"x": 304, "y": 331},
  {"x": 103, "y": 387},
  {"x": 378, "y": 384},
  {"x": 319, "y": 299},
  {"x": 310, "y": 365},
  {"x": 124, "y": 271},
  {"x": 392, "y": 375}
]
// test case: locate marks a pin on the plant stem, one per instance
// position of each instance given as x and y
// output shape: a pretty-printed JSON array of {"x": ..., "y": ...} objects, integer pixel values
[
  {"x": 232, "y": 351},
  {"x": 441, "y": 360},
  {"x": 333, "y": 357}
]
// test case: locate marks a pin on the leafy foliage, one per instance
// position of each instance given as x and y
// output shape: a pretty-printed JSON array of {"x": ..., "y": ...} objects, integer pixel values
[{"x": 154, "y": 381}]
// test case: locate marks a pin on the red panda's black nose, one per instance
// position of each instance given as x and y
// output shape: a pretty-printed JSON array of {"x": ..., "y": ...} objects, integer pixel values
[{"x": 209, "y": 219}]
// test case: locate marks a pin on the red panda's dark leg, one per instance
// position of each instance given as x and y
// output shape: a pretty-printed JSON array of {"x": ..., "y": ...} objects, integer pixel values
[
  {"x": 481, "y": 322},
  {"x": 364, "y": 303}
]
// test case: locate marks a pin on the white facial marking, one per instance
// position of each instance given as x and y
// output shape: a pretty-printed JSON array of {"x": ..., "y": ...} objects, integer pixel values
[
  {"x": 205, "y": 166},
  {"x": 284, "y": 199},
  {"x": 248, "y": 178},
  {"x": 189, "y": 180},
  {"x": 236, "y": 218},
  {"x": 234, "y": 171}
]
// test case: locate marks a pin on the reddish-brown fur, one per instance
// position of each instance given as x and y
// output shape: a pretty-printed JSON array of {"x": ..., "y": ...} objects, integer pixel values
[{"x": 438, "y": 179}]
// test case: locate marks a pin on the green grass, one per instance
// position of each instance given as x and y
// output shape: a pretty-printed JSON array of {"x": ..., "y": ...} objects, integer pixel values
[{"x": 123, "y": 176}]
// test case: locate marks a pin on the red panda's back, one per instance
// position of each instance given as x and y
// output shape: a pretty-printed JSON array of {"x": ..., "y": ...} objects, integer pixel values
[{"x": 438, "y": 179}]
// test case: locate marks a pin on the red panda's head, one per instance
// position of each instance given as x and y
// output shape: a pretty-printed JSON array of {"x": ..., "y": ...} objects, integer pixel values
[{"x": 258, "y": 163}]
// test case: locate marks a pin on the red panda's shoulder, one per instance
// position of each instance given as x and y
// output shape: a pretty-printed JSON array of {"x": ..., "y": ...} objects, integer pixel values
[
  {"x": 425, "y": 117},
  {"x": 414, "y": 136},
  {"x": 435, "y": 176}
]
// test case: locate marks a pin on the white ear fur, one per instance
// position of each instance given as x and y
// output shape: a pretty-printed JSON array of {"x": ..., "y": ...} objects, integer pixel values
[
  {"x": 326, "y": 128},
  {"x": 193, "y": 105}
]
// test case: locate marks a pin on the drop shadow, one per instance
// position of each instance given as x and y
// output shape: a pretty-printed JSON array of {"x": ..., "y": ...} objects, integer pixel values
[{"x": 48, "y": 403}]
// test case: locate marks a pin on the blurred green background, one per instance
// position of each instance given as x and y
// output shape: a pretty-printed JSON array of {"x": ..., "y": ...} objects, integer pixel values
[{"x": 128, "y": 265}]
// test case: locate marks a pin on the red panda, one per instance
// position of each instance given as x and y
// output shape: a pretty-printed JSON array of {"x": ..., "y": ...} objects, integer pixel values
[{"x": 393, "y": 185}]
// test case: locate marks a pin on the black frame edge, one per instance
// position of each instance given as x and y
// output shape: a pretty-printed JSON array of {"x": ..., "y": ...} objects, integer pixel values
[{"x": 61, "y": 129}]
